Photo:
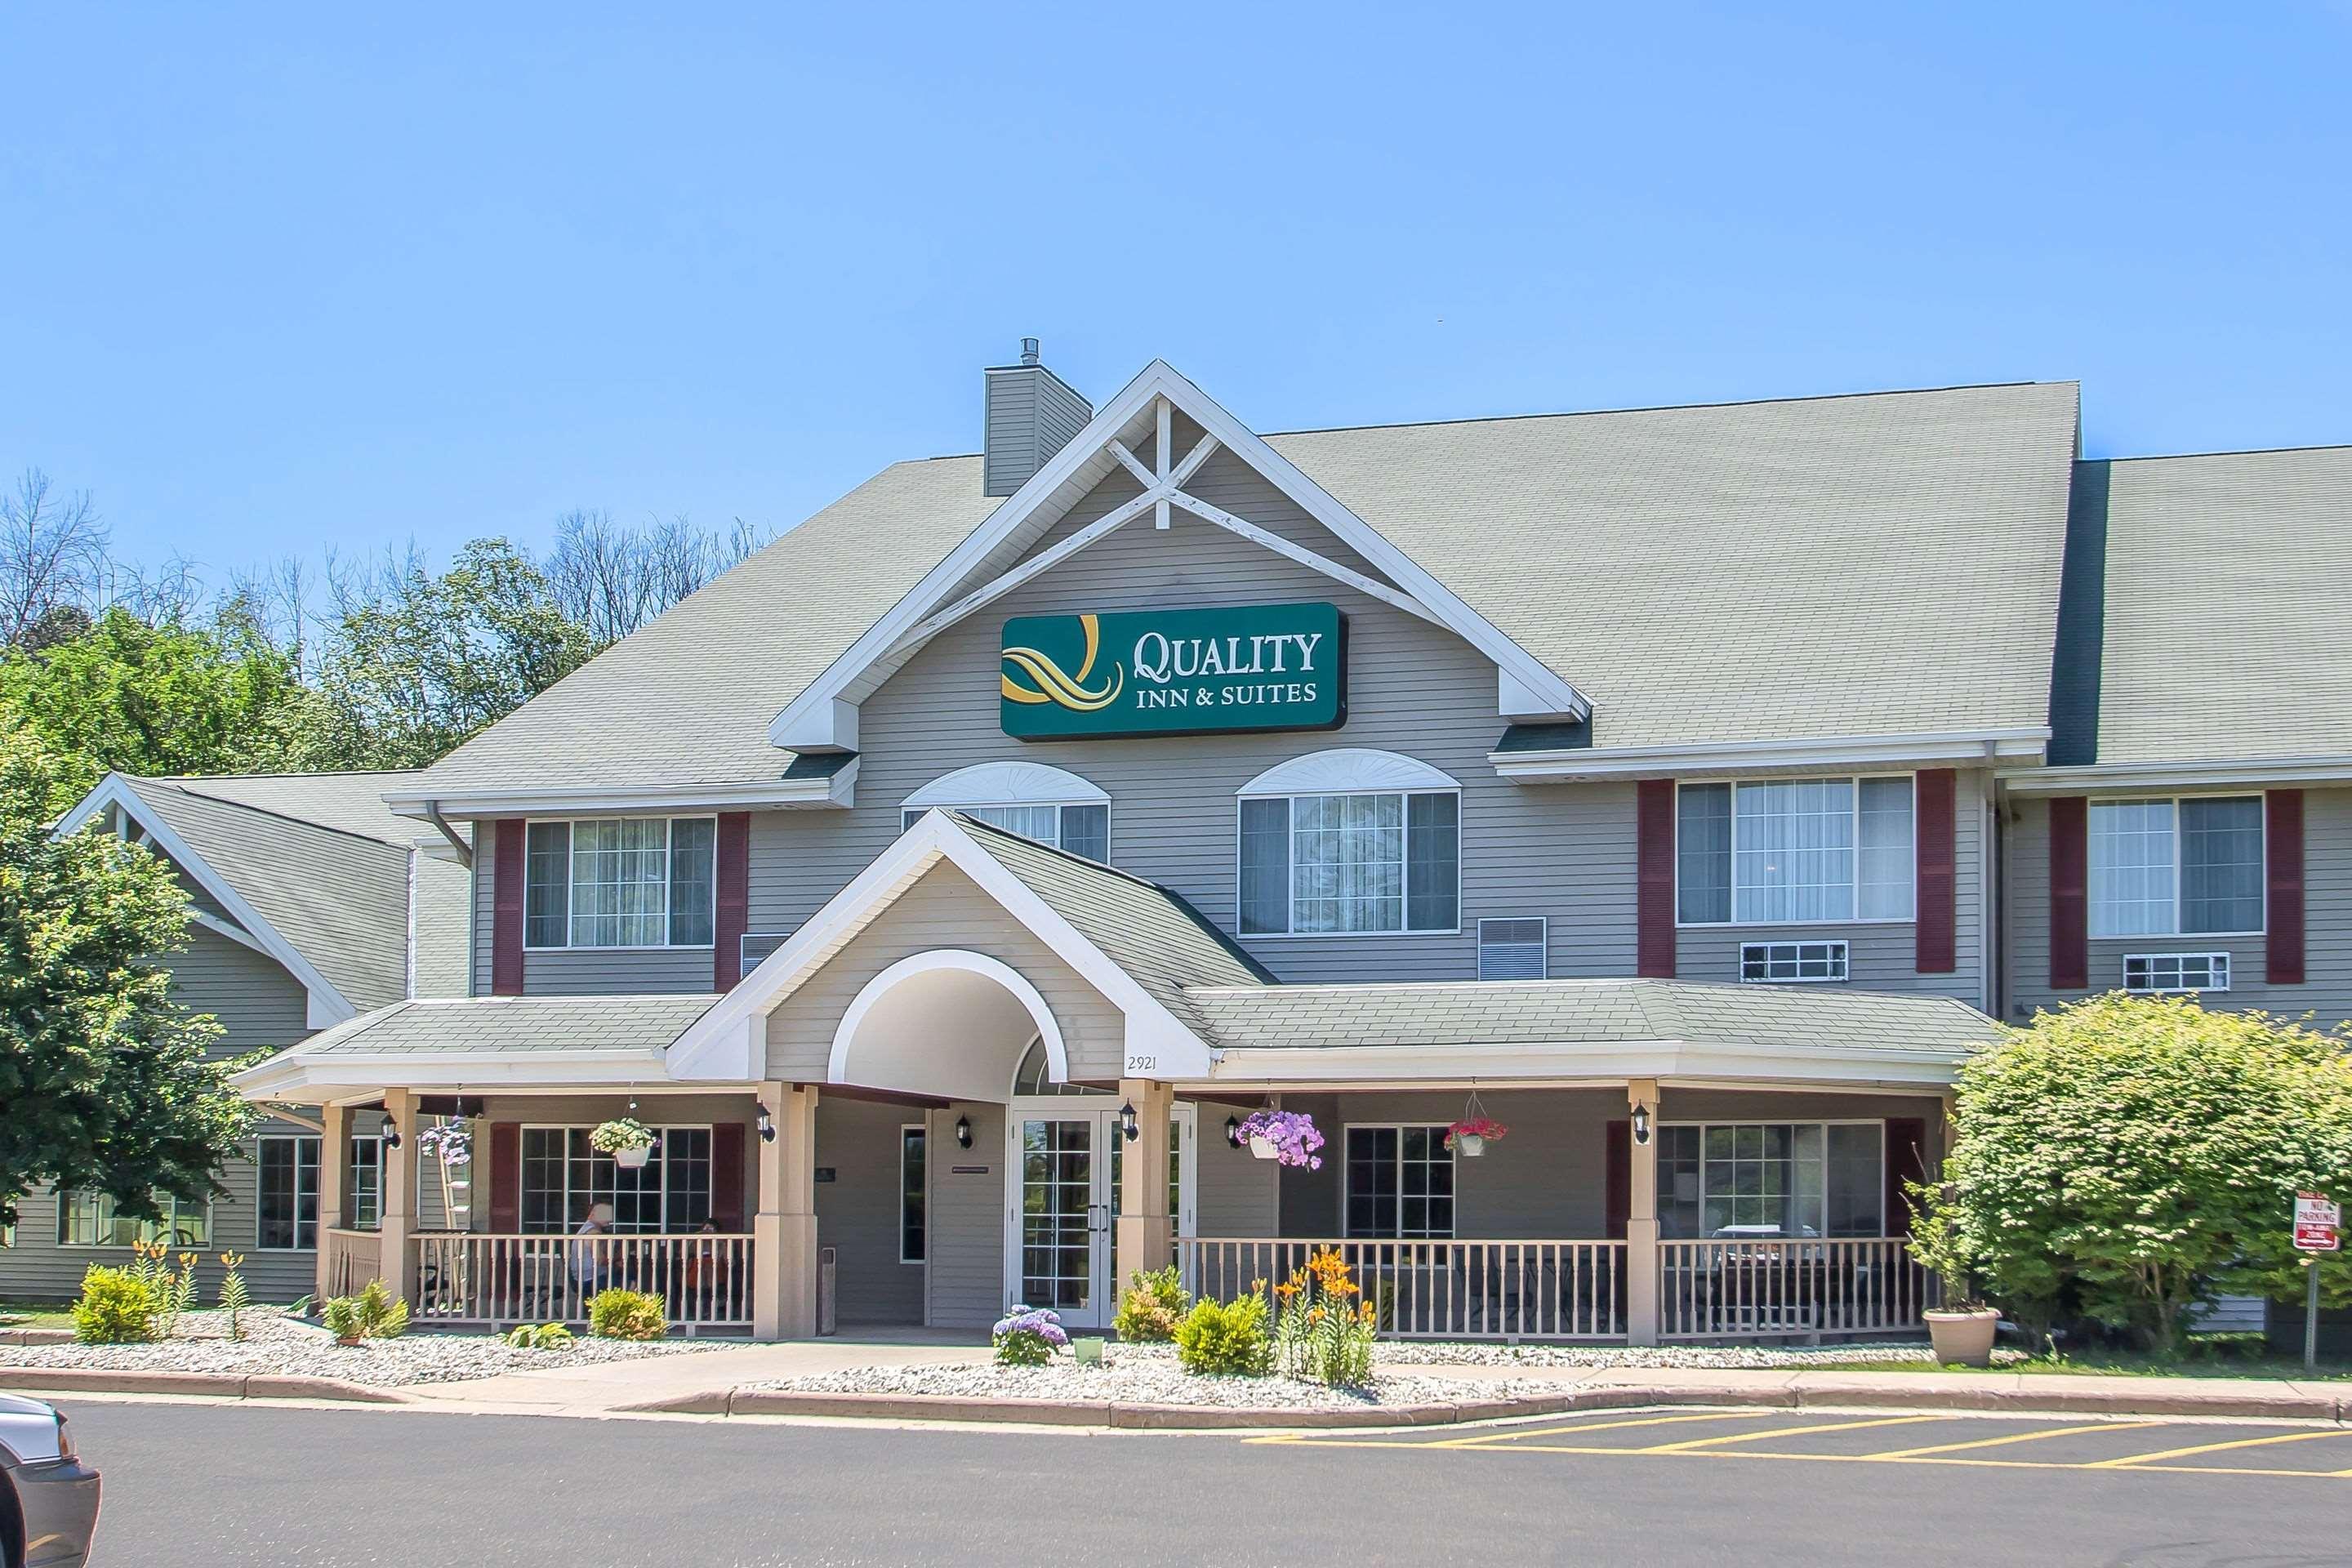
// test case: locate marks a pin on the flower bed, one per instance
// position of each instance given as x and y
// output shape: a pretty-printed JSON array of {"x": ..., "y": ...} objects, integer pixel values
[
  {"x": 1148, "y": 1374},
  {"x": 278, "y": 1345}
]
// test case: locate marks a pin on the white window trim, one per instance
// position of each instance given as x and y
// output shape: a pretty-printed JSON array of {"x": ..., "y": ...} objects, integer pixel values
[
  {"x": 1855, "y": 779},
  {"x": 318, "y": 1176},
  {"x": 663, "y": 1129},
  {"x": 351, "y": 1189},
  {"x": 1845, "y": 979},
  {"x": 670, "y": 834},
  {"x": 2263, "y": 859},
  {"x": 1290, "y": 912},
  {"x": 2229, "y": 965},
  {"x": 1820, "y": 1121},
  {"x": 64, "y": 1195},
  {"x": 1346, "y": 1127},
  {"x": 925, "y": 1128}
]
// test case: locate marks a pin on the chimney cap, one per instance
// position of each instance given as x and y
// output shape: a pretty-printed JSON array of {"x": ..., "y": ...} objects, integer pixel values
[{"x": 1028, "y": 351}]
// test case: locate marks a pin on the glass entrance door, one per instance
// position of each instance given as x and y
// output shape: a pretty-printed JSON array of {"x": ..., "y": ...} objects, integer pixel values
[{"x": 1063, "y": 1231}]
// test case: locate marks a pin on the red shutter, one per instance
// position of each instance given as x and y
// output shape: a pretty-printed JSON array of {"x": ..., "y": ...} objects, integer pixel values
[
  {"x": 1619, "y": 1201},
  {"x": 2070, "y": 893},
  {"x": 2283, "y": 854},
  {"x": 1653, "y": 905},
  {"x": 506, "y": 1177},
  {"x": 506, "y": 908},
  {"x": 1907, "y": 1161},
  {"x": 733, "y": 903},
  {"x": 1937, "y": 870},
  {"x": 727, "y": 1177}
]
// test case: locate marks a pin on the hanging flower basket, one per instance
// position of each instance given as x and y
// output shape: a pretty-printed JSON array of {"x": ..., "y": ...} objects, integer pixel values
[
  {"x": 1470, "y": 1136},
  {"x": 453, "y": 1142},
  {"x": 627, "y": 1139},
  {"x": 1287, "y": 1137}
]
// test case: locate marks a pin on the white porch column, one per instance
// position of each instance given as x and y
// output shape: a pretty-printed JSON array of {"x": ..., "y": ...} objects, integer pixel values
[
  {"x": 334, "y": 1140},
  {"x": 1146, "y": 1231},
  {"x": 784, "y": 1230},
  {"x": 399, "y": 1197},
  {"x": 1642, "y": 1221}
]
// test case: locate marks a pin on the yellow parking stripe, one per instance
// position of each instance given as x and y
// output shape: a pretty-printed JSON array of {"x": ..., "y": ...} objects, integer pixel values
[
  {"x": 2016, "y": 1438},
  {"x": 1485, "y": 1439},
  {"x": 2209, "y": 1448},
  {"x": 1696, "y": 1443}
]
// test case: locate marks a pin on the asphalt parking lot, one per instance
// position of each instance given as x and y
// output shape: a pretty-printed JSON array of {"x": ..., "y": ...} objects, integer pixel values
[{"x": 1988, "y": 1442}]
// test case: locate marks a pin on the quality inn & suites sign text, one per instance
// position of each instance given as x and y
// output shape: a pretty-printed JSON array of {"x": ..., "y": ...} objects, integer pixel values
[{"x": 1174, "y": 672}]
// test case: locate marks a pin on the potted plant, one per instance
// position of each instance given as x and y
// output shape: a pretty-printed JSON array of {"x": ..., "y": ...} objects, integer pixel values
[
  {"x": 629, "y": 1141},
  {"x": 1470, "y": 1136},
  {"x": 453, "y": 1142},
  {"x": 1962, "y": 1329},
  {"x": 1286, "y": 1136}
]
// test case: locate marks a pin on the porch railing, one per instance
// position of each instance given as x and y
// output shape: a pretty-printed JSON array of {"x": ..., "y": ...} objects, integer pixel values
[
  {"x": 704, "y": 1282},
  {"x": 353, "y": 1257},
  {"x": 1440, "y": 1289},
  {"x": 1751, "y": 1289}
]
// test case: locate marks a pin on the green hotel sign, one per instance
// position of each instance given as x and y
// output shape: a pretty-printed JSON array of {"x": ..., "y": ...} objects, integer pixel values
[{"x": 1174, "y": 672}]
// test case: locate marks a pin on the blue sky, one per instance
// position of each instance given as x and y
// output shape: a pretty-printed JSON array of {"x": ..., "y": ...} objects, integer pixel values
[{"x": 278, "y": 278}]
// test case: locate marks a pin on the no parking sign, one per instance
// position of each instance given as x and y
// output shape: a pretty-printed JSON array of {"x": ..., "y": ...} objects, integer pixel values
[{"x": 2316, "y": 1223}]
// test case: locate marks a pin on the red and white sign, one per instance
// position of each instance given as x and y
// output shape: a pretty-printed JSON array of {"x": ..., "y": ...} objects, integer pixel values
[{"x": 2316, "y": 1220}]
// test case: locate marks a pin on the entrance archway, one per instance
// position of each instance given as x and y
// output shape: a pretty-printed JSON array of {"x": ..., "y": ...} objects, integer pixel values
[{"x": 949, "y": 1024}]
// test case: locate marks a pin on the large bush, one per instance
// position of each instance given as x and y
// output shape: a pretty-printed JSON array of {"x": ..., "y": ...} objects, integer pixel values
[
  {"x": 2126, "y": 1158},
  {"x": 1225, "y": 1338},
  {"x": 618, "y": 1314},
  {"x": 116, "y": 1308},
  {"x": 1154, "y": 1303}
]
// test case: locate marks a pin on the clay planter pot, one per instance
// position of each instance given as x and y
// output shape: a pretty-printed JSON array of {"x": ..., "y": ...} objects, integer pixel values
[{"x": 1963, "y": 1337}]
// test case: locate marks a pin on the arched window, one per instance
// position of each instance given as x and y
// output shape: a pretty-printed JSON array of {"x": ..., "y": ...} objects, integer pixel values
[
  {"x": 1046, "y": 804},
  {"x": 1351, "y": 842},
  {"x": 1034, "y": 1076}
]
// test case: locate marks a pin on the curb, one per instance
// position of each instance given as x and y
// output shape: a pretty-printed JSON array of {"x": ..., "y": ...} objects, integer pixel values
[
  {"x": 1617, "y": 1397},
  {"x": 219, "y": 1384},
  {"x": 35, "y": 1336}
]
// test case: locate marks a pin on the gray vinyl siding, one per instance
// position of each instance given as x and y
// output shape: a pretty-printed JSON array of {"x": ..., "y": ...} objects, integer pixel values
[
  {"x": 257, "y": 1001},
  {"x": 946, "y": 909},
  {"x": 964, "y": 1282},
  {"x": 441, "y": 921},
  {"x": 857, "y": 1211},
  {"x": 1235, "y": 1192},
  {"x": 2327, "y": 989},
  {"x": 1030, "y": 415}
]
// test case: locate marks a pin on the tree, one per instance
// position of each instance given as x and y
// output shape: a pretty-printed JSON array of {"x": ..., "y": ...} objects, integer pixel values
[
  {"x": 52, "y": 554},
  {"x": 612, "y": 579},
  {"x": 170, "y": 699},
  {"x": 419, "y": 662},
  {"x": 104, "y": 1084},
  {"x": 2127, "y": 1158}
]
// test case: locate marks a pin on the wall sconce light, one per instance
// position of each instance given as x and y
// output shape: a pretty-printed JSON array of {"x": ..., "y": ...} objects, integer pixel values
[
  {"x": 1641, "y": 1126},
  {"x": 1127, "y": 1122},
  {"x": 1233, "y": 1130},
  {"x": 390, "y": 1134},
  {"x": 767, "y": 1126},
  {"x": 963, "y": 1131}
]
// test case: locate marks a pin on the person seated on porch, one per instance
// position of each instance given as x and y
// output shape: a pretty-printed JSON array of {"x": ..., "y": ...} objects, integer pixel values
[
  {"x": 704, "y": 1272},
  {"x": 591, "y": 1270}
]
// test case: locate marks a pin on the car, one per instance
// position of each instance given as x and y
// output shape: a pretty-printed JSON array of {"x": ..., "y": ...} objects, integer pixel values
[{"x": 49, "y": 1498}]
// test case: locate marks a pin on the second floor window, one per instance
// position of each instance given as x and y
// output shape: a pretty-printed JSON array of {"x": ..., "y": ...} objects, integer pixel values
[
  {"x": 1787, "y": 851},
  {"x": 1081, "y": 827},
  {"x": 1314, "y": 865},
  {"x": 619, "y": 882},
  {"x": 2164, "y": 868}
]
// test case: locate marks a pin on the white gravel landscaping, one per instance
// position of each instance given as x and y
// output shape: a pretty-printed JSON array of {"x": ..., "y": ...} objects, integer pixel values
[
  {"x": 1148, "y": 1374},
  {"x": 288, "y": 1347},
  {"x": 1750, "y": 1358}
]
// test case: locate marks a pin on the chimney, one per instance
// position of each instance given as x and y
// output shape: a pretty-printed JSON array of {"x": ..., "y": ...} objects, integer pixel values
[{"x": 1031, "y": 413}]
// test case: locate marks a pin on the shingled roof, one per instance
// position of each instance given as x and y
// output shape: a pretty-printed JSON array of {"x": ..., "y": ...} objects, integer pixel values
[{"x": 1732, "y": 572}]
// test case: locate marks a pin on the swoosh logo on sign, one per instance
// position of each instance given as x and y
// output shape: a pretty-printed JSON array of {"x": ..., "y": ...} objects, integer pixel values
[{"x": 1056, "y": 686}]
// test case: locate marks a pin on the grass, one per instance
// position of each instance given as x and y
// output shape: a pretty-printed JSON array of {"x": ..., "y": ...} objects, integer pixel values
[
  {"x": 2204, "y": 1355},
  {"x": 34, "y": 1315}
]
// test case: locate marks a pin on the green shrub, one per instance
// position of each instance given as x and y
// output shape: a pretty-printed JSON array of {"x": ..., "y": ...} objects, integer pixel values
[
  {"x": 343, "y": 1320},
  {"x": 1225, "y": 1338},
  {"x": 382, "y": 1315},
  {"x": 2124, "y": 1158},
  {"x": 523, "y": 1336},
  {"x": 553, "y": 1336},
  {"x": 618, "y": 1314},
  {"x": 1155, "y": 1302},
  {"x": 117, "y": 1308}
]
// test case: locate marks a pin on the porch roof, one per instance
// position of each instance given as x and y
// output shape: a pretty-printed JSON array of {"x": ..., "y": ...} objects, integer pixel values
[{"x": 1590, "y": 1011}]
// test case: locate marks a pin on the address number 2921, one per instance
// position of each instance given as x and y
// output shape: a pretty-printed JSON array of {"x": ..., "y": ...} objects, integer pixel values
[{"x": 1143, "y": 1064}]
